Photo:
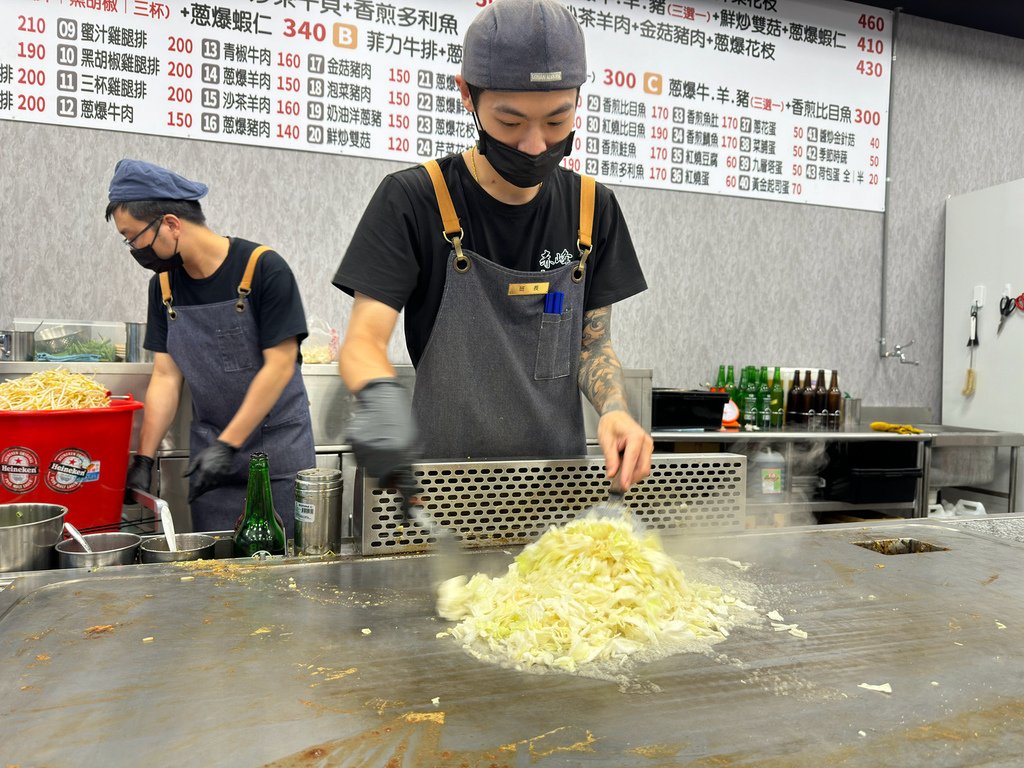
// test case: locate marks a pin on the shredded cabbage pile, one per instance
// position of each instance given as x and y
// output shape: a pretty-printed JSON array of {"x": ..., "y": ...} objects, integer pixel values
[{"x": 592, "y": 590}]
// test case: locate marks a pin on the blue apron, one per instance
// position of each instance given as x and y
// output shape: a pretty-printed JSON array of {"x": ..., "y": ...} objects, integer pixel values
[
  {"x": 499, "y": 374},
  {"x": 217, "y": 348}
]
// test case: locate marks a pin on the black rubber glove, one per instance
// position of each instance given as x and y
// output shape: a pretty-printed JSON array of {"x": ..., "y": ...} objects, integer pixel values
[
  {"x": 212, "y": 467},
  {"x": 140, "y": 475},
  {"x": 382, "y": 433}
]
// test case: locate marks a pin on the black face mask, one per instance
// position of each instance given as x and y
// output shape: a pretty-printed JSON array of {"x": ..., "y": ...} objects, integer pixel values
[
  {"x": 519, "y": 168},
  {"x": 147, "y": 258}
]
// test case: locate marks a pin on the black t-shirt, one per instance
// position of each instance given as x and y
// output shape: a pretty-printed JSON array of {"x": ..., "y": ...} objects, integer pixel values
[
  {"x": 274, "y": 300},
  {"x": 398, "y": 253}
]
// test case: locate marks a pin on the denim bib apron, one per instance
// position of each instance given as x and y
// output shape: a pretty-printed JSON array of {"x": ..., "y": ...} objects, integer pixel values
[
  {"x": 498, "y": 377},
  {"x": 217, "y": 348}
]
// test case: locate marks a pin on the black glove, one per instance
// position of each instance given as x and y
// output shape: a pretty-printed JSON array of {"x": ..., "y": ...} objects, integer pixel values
[
  {"x": 140, "y": 475},
  {"x": 212, "y": 467},
  {"x": 382, "y": 433}
]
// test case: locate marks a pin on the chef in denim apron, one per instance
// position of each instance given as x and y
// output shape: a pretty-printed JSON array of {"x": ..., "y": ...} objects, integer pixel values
[
  {"x": 504, "y": 338},
  {"x": 226, "y": 317}
]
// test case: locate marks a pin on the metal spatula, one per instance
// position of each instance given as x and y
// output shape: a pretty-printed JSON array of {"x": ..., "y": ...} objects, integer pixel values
[
  {"x": 614, "y": 507},
  {"x": 448, "y": 559}
]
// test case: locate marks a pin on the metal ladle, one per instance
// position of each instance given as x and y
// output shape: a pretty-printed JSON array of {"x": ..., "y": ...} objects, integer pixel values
[{"x": 73, "y": 532}]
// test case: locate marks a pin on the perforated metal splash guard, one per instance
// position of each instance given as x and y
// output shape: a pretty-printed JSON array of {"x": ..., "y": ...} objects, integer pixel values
[{"x": 497, "y": 503}]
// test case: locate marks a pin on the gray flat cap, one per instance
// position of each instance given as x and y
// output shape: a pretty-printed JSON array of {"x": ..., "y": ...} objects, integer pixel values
[
  {"x": 524, "y": 45},
  {"x": 139, "y": 180}
]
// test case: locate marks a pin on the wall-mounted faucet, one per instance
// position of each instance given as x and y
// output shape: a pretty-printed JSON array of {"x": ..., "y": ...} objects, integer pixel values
[{"x": 899, "y": 351}]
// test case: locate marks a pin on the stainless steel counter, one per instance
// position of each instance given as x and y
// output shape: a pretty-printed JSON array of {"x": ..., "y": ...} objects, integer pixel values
[
  {"x": 330, "y": 409},
  {"x": 330, "y": 401},
  {"x": 936, "y": 441},
  {"x": 248, "y": 665}
]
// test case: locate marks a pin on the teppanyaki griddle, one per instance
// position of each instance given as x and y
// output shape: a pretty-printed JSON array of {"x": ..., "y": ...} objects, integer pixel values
[{"x": 337, "y": 664}]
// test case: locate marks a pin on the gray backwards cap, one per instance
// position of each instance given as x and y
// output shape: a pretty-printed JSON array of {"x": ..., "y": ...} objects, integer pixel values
[
  {"x": 139, "y": 180},
  {"x": 524, "y": 45}
]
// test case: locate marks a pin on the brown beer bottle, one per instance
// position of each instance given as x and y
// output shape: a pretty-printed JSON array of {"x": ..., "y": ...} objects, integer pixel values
[
  {"x": 820, "y": 401},
  {"x": 807, "y": 401},
  {"x": 835, "y": 402},
  {"x": 794, "y": 400}
]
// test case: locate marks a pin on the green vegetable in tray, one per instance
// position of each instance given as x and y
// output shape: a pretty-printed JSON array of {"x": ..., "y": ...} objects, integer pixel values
[{"x": 104, "y": 348}]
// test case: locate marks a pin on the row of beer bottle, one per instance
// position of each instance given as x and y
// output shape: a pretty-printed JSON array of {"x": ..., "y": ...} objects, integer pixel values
[{"x": 764, "y": 403}]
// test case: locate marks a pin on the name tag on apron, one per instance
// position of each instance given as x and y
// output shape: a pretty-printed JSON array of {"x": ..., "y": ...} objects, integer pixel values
[{"x": 527, "y": 289}]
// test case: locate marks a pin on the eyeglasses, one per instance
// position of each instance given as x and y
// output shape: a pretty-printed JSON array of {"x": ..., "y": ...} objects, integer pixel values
[{"x": 158, "y": 220}]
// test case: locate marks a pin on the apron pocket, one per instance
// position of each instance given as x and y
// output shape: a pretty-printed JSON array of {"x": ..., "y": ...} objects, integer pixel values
[
  {"x": 553, "y": 346},
  {"x": 235, "y": 353}
]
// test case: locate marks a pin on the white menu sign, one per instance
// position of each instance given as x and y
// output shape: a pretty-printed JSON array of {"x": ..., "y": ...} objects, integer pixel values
[{"x": 774, "y": 99}]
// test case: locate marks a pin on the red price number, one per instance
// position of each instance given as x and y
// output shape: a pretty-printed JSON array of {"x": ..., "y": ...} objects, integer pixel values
[
  {"x": 867, "y": 116},
  {"x": 400, "y": 122},
  {"x": 35, "y": 77},
  {"x": 290, "y": 84},
  {"x": 31, "y": 51},
  {"x": 34, "y": 25},
  {"x": 619, "y": 79},
  {"x": 179, "y": 44},
  {"x": 659, "y": 133},
  {"x": 289, "y": 60},
  {"x": 657, "y": 174},
  {"x": 31, "y": 103},
  {"x": 179, "y": 119},
  {"x": 659, "y": 112},
  {"x": 288, "y": 107},
  {"x": 871, "y": 45},
  {"x": 179, "y": 95},
  {"x": 398, "y": 75},
  {"x": 874, "y": 23},
  {"x": 398, "y": 144},
  {"x": 304, "y": 29},
  {"x": 287, "y": 131},
  {"x": 659, "y": 153},
  {"x": 870, "y": 68},
  {"x": 180, "y": 69},
  {"x": 398, "y": 98}
]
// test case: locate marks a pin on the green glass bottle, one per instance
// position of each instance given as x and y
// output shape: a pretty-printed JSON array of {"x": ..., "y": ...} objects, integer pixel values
[
  {"x": 720, "y": 381},
  {"x": 730, "y": 383},
  {"x": 777, "y": 400},
  {"x": 750, "y": 397},
  {"x": 764, "y": 392},
  {"x": 259, "y": 530}
]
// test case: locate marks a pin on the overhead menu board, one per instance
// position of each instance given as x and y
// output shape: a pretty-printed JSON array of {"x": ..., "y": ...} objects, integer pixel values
[{"x": 775, "y": 99}]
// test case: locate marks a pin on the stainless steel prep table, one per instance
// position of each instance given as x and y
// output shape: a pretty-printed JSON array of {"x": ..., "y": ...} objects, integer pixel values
[
  {"x": 932, "y": 438},
  {"x": 245, "y": 670}
]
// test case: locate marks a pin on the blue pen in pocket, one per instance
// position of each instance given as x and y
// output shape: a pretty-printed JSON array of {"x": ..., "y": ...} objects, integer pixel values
[
  {"x": 548, "y": 303},
  {"x": 557, "y": 304}
]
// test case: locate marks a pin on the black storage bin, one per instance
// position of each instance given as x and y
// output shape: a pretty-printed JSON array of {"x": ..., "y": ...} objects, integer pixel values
[
  {"x": 875, "y": 486},
  {"x": 871, "y": 472},
  {"x": 875, "y": 454},
  {"x": 679, "y": 409}
]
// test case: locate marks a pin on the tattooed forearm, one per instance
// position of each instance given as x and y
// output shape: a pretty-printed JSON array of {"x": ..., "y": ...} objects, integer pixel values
[{"x": 600, "y": 376}]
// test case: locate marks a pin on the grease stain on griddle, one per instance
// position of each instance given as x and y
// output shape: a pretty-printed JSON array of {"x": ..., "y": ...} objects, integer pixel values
[{"x": 412, "y": 740}]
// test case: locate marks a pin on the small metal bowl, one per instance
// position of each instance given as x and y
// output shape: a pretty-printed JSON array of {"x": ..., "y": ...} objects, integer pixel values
[
  {"x": 107, "y": 549},
  {"x": 191, "y": 546},
  {"x": 56, "y": 339}
]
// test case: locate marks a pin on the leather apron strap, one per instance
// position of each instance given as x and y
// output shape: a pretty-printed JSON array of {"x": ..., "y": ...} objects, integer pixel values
[
  {"x": 449, "y": 219},
  {"x": 244, "y": 287},
  {"x": 585, "y": 243}
]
